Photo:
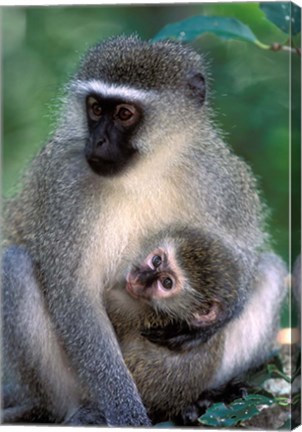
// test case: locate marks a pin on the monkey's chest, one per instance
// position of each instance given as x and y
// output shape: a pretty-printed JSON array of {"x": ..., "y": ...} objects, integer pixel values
[{"x": 120, "y": 229}]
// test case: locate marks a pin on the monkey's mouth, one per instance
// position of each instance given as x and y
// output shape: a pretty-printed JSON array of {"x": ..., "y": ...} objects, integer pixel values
[
  {"x": 104, "y": 167},
  {"x": 110, "y": 167},
  {"x": 138, "y": 292}
]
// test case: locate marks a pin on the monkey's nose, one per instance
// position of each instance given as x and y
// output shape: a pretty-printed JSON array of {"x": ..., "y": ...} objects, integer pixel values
[
  {"x": 101, "y": 142},
  {"x": 147, "y": 277}
]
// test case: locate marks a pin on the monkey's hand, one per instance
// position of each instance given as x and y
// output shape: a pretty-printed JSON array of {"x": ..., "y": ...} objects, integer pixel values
[
  {"x": 178, "y": 336},
  {"x": 114, "y": 397},
  {"x": 227, "y": 393}
]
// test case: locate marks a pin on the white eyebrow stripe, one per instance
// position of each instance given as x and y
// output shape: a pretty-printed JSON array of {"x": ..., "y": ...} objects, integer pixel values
[{"x": 109, "y": 90}]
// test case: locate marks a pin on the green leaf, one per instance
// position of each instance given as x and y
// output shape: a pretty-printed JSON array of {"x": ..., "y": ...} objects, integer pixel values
[
  {"x": 285, "y": 15},
  {"x": 220, "y": 415},
  {"x": 192, "y": 28},
  {"x": 258, "y": 399},
  {"x": 274, "y": 372},
  {"x": 282, "y": 401}
]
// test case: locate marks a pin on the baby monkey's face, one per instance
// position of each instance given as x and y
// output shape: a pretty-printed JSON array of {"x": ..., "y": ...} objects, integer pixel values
[
  {"x": 172, "y": 282},
  {"x": 157, "y": 277}
]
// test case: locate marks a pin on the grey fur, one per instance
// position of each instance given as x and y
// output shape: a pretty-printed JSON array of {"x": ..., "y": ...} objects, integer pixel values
[{"x": 74, "y": 230}]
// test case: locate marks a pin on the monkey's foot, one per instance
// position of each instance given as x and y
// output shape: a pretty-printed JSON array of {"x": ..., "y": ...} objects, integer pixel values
[
  {"x": 86, "y": 415},
  {"x": 91, "y": 415},
  {"x": 25, "y": 414},
  {"x": 225, "y": 394}
]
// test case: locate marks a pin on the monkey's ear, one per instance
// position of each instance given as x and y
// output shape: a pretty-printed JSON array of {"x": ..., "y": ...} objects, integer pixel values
[
  {"x": 213, "y": 315},
  {"x": 197, "y": 86}
]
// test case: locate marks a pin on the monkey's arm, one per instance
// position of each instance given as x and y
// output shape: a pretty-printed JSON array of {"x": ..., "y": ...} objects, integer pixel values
[
  {"x": 180, "y": 335},
  {"x": 90, "y": 344},
  {"x": 90, "y": 364}
]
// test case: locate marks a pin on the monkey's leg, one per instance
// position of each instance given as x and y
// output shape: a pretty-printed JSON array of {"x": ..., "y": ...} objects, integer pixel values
[
  {"x": 32, "y": 348},
  {"x": 251, "y": 337}
]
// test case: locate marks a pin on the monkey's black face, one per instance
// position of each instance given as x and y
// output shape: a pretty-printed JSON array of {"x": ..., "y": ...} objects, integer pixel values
[{"x": 111, "y": 124}]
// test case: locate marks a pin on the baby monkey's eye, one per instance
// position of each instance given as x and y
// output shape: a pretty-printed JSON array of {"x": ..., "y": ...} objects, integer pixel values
[
  {"x": 156, "y": 261},
  {"x": 167, "y": 283}
]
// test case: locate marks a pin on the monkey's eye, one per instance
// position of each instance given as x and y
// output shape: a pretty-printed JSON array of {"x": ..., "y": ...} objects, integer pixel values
[
  {"x": 126, "y": 114},
  {"x": 167, "y": 283},
  {"x": 94, "y": 108},
  {"x": 156, "y": 261}
]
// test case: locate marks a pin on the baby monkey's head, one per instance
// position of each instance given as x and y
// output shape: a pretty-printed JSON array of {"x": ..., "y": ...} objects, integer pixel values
[{"x": 186, "y": 276}]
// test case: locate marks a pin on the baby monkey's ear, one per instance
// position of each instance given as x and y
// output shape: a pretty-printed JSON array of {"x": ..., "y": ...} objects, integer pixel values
[{"x": 206, "y": 318}]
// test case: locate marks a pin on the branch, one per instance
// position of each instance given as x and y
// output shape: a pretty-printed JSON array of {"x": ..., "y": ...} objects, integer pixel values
[{"x": 278, "y": 47}]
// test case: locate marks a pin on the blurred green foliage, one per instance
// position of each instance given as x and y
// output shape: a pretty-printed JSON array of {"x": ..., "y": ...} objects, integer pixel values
[{"x": 250, "y": 87}]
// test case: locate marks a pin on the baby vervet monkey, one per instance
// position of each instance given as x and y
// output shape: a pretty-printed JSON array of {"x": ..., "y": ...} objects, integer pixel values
[{"x": 179, "y": 305}]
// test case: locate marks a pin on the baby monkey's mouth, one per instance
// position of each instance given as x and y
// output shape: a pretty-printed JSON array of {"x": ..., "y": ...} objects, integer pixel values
[{"x": 139, "y": 282}]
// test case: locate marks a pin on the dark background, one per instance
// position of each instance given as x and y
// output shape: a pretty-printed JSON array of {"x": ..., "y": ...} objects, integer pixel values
[{"x": 250, "y": 88}]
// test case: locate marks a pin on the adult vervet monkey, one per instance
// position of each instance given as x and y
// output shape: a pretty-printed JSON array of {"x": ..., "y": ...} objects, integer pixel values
[{"x": 135, "y": 149}]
